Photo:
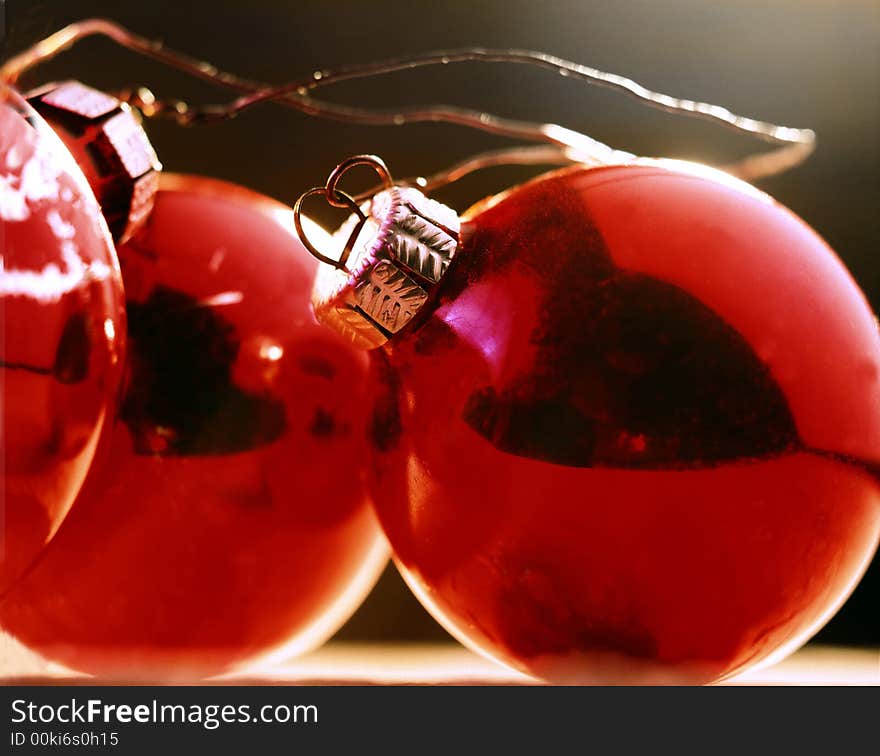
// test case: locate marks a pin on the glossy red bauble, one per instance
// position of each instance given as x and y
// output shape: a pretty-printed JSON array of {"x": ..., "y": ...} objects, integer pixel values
[
  {"x": 218, "y": 526},
  {"x": 62, "y": 332},
  {"x": 636, "y": 438}
]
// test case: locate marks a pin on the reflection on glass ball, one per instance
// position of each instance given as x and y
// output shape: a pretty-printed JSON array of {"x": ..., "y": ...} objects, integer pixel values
[{"x": 63, "y": 331}]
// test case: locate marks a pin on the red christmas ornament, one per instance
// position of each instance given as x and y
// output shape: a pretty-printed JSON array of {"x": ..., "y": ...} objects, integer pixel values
[
  {"x": 224, "y": 520},
  {"x": 63, "y": 334},
  {"x": 627, "y": 421}
]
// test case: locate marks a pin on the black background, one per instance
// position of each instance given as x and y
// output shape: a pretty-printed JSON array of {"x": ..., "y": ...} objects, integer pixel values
[{"x": 802, "y": 63}]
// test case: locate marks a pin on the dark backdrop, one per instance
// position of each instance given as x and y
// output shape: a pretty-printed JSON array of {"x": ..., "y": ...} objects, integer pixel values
[{"x": 808, "y": 63}]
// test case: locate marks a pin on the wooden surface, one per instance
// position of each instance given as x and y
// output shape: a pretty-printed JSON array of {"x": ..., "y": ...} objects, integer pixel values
[
  {"x": 449, "y": 664},
  {"x": 370, "y": 664}
]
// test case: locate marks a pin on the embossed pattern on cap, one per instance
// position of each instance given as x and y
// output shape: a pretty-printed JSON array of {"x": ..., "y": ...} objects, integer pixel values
[{"x": 400, "y": 256}]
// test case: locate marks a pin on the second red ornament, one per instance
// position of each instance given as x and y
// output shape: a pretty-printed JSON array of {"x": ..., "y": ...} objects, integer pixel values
[
  {"x": 215, "y": 527},
  {"x": 626, "y": 421}
]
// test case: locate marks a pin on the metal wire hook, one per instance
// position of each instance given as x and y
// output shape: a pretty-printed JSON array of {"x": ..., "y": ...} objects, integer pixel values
[
  {"x": 373, "y": 161},
  {"x": 338, "y": 198}
]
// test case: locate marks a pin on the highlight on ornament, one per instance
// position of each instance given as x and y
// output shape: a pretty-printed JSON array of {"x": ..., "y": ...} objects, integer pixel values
[{"x": 618, "y": 424}]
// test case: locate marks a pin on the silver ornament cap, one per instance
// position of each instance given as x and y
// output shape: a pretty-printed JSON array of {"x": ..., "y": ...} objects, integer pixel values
[
  {"x": 397, "y": 249},
  {"x": 107, "y": 140}
]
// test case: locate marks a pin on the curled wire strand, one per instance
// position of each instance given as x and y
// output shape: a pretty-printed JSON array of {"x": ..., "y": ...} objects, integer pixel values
[
  {"x": 571, "y": 146},
  {"x": 542, "y": 154}
]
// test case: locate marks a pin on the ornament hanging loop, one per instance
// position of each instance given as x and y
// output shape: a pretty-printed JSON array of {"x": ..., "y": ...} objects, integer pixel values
[{"x": 338, "y": 198}]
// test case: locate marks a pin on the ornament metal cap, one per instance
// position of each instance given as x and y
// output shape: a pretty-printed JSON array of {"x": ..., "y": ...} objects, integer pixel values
[
  {"x": 396, "y": 247},
  {"x": 107, "y": 140}
]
